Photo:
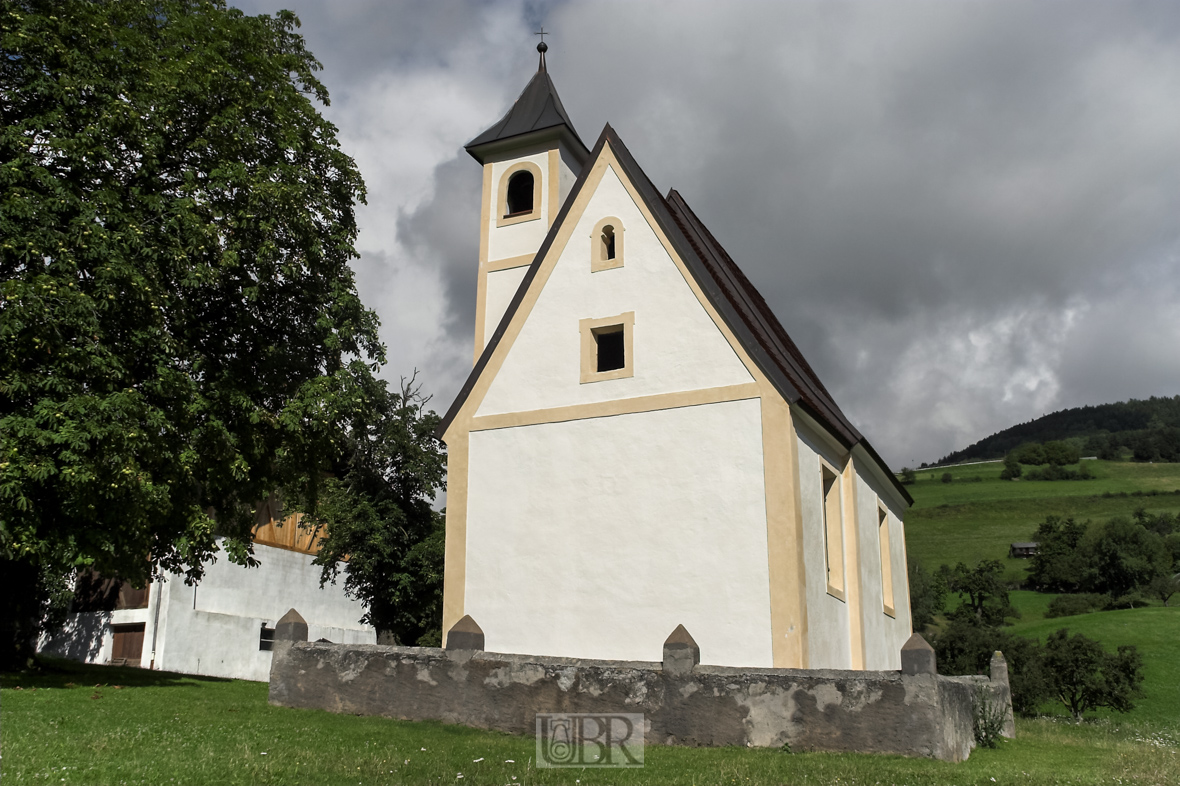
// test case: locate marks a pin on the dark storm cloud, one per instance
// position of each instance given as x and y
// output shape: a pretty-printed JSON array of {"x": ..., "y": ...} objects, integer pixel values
[{"x": 964, "y": 213}]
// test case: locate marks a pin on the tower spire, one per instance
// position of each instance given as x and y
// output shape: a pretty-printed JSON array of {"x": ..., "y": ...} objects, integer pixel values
[{"x": 542, "y": 47}]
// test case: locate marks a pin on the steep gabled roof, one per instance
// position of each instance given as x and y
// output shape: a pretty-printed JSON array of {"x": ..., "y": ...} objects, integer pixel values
[
  {"x": 728, "y": 290},
  {"x": 537, "y": 109}
]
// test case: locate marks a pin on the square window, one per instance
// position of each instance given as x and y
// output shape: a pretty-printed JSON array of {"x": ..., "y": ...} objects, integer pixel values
[
  {"x": 607, "y": 348},
  {"x": 611, "y": 353}
]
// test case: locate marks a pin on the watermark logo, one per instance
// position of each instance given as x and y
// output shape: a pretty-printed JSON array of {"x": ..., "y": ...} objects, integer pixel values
[{"x": 589, "y": 739}]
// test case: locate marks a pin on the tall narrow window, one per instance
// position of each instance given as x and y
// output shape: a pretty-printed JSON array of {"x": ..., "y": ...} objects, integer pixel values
[
  {"x": 266, "y": 638},
  {"x": 833, "y": 532},
  {"x": 606, "y": 244},
  {"x": 886, "y": 560},
  {"x": 520, "y": 194}
]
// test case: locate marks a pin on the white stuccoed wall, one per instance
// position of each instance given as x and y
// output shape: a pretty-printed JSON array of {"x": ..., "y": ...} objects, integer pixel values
[
  {"x": 502, "y": 285},
  {"x": 828, "y": 638},
  {"x": 884, "y": 635},
  {"x": 595, "y": 538},
  {"x": 213, "y": 628},
  {"x": 676, "y": 344}
]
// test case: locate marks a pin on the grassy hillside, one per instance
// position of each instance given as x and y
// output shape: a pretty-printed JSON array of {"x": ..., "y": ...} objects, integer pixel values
[
  {"x": 1155, "y": 631},
  {"x": 970, "y": 521}
]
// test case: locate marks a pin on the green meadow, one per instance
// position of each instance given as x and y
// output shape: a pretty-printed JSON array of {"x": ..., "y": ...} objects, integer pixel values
[
  {"x": 972, "y": 520},
  {"x": 74, "y": 724}
]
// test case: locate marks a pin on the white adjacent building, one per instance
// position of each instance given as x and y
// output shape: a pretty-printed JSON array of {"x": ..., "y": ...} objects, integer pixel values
[
  {"x": 640, "y": 444},
  {"x": 223, "y": 626}
]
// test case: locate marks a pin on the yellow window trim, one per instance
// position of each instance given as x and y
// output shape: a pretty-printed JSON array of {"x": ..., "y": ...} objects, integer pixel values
[
  {"x": 590, "y": 348},
  {"x": 598, "y": 260},
  {"x": 503, "y": 220}
]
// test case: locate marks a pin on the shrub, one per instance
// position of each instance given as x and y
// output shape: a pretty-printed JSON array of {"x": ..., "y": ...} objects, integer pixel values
[
  {"x": 947, "y": 477},
  {"x": 989, "y": 719},
  {"x": 965, "y": 647},
  {"x": 1070, "y": 605},
  {"x": 908, "y": 476}
]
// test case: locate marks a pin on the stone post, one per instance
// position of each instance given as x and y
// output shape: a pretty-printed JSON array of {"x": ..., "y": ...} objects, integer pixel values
[
  {"x": 681, "y": 653},
  {"x": 1002, "y": 691},
  {"x": 288, "y": 630},
  {"x": 917, "y": 656},
  {"x": 465, "y": 635}
]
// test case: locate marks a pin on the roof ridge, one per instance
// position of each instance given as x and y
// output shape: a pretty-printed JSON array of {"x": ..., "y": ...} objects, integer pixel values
[{"x": 768, "y": 320}]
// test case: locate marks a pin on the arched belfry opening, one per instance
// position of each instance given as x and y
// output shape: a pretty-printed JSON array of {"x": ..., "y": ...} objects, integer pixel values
[
  {"x": 607, "y": 240},
  {"x": 520, "y": 194}
]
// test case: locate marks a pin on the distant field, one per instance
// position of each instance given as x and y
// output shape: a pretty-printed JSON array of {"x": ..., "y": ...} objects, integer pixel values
[{"x": 971, "y": 521}]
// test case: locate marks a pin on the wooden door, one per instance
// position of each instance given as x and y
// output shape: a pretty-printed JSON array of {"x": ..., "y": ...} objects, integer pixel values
[{"x": 127, "y": 648}]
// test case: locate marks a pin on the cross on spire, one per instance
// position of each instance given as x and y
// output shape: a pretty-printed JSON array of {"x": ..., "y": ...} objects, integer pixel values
[{"x": 542, "y": 47}]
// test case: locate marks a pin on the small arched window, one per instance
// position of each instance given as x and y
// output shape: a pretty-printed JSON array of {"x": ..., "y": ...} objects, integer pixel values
[
  {"x": 520, "y": 194},
  {"x": 606, "y": 244},
  {"x": 607, "y": 238}
]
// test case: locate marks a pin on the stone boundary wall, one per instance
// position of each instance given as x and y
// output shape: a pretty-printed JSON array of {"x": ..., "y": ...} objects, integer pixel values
[{"x": 914, "y": 712}]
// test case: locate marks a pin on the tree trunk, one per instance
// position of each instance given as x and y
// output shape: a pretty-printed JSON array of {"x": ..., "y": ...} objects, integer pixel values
[{"x": 20, "y": 613}]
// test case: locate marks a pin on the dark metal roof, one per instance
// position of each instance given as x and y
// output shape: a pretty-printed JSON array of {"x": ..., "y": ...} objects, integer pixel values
[
  {"x": 728, "y": 290},
  {"x": 537, "y": 109}
]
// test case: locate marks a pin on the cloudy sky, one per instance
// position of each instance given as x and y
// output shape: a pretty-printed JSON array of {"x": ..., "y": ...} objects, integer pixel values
[{"x": 966, "y": 214}]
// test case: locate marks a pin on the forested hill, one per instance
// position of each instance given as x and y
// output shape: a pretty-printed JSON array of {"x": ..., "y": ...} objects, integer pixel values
[{"x": 1122, "y": 416}]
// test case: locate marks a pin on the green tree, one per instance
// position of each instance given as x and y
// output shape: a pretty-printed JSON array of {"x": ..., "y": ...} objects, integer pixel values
[
  {"x": 1120, "y": 555},
  {"x": 1083, "y": 676},
  {"x": 965, "y": 647},
  {"x": 1058, "y": 453},
  {"x": 180, "y": 333},
  {"x": 379, "y": 521},
  {"x": 1012, "y": 468},
  {"x": 927, "y": 595},
  {"x": 1031, "y": 453},
  {"x": 981, "y": 590},
  {"x": 908, "y": 476},
  {"x": 1057, "y": 566},
  {"x": 1164, "y": 587}
]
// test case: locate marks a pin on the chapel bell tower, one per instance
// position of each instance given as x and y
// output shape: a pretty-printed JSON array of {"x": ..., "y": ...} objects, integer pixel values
[{"x": 530, "y": 159}]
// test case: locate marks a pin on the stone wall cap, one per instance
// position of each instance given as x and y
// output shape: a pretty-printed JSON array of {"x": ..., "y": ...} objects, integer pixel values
[
  {"x": 292, "y": 616},
  {"x": 916, "y": 642},
  {"x": 680, "y": 638},
  {"x": 466, "y": 625}
]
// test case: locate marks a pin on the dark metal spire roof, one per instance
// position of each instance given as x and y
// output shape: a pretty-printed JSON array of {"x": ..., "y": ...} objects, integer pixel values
[{"x": 537, "y": 109}]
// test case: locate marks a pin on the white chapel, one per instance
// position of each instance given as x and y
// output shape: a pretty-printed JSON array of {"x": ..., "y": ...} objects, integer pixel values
[{"x": 640, "y": 444}]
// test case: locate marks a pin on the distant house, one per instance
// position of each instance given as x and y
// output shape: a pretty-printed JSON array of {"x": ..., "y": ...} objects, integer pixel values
[
  {"x": 1022, "y": 550},
  {"x": 221, "y": 627}
]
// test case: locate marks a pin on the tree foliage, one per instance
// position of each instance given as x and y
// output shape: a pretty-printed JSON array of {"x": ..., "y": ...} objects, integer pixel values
[
  {"x": 180, "y": 333},
  {"x": 927, "y": 595},
  {"x": 1083, "y": 676},
  {"x": 379, "y": 520},
  {"x": 981, "y": 590},
  {"x": 1114, "y": 558}
]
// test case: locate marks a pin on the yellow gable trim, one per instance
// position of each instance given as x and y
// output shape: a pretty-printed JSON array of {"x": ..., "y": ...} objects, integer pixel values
[{"x": 606, "y": 160}]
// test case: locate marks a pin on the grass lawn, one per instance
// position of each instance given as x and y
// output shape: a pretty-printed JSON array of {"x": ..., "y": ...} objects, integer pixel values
[{"x": 73, "y": 725}]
